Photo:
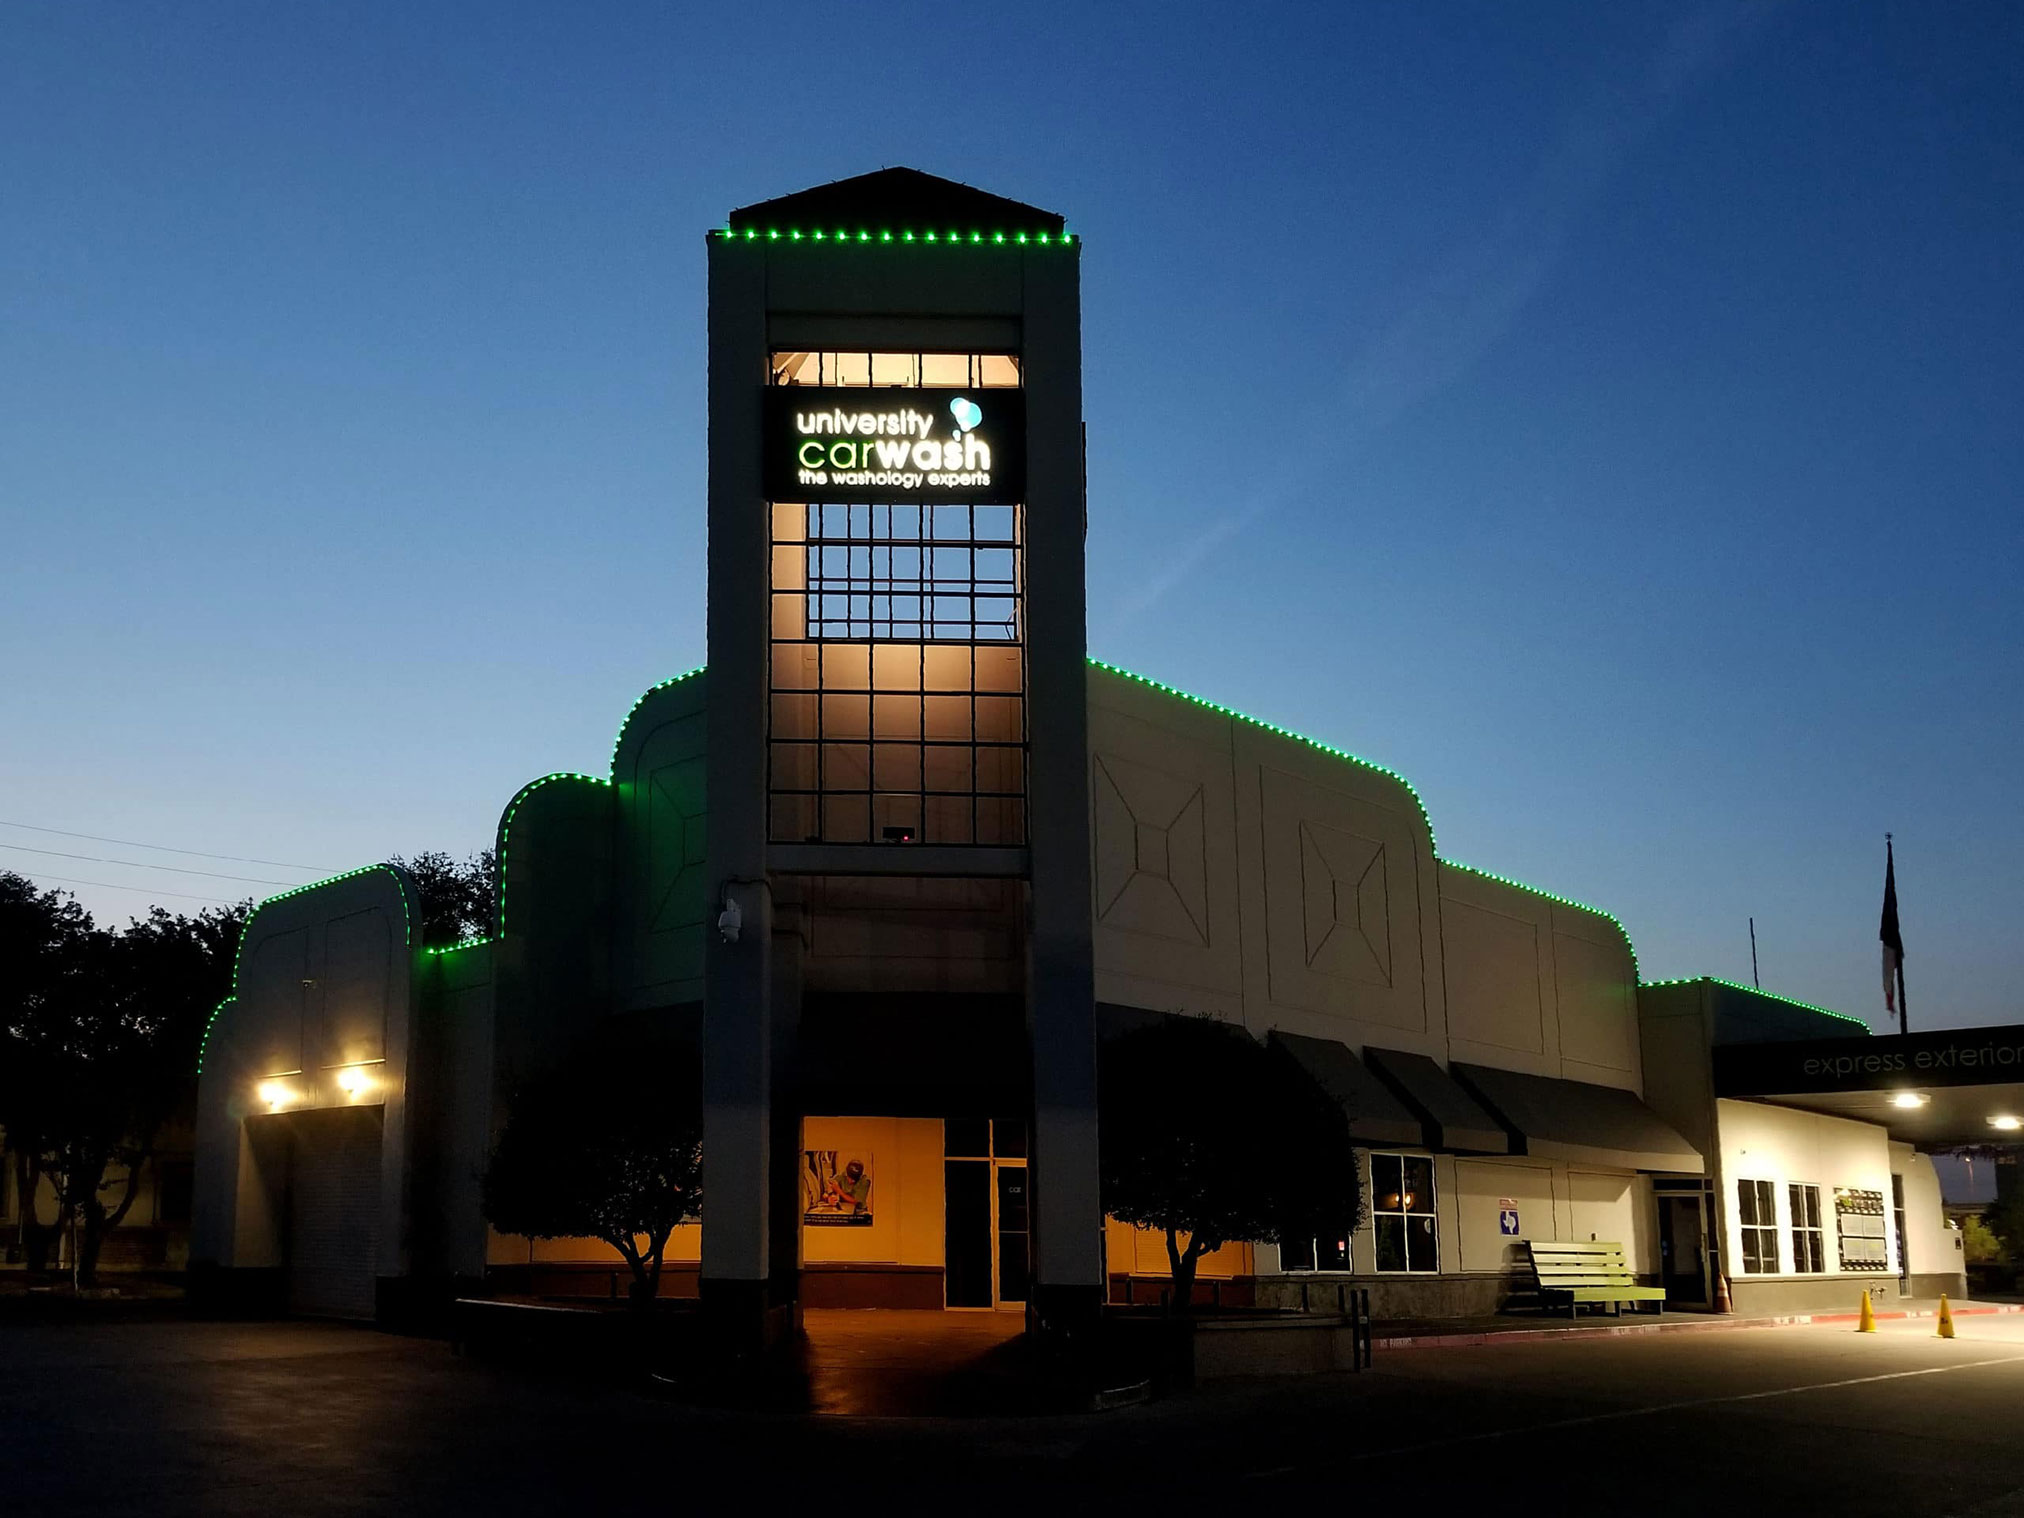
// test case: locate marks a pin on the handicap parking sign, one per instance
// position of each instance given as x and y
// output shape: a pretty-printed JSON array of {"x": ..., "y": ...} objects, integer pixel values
[{"x": 1507, "y": 1217}]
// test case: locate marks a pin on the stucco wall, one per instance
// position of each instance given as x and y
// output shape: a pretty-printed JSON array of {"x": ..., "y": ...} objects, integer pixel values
[
  {"x": 1247, "y": 874},
  {"x": 1933, "y": 1244},
  {"x": 324, "y": 988},
  {"x": 1536, "y": 984},
  {"x": 1553, "y": 1201},
  {"x": 1777, "y": 1144},
  {"x": 662, "y": 887},
  {"x": 1251, "y": 875}
]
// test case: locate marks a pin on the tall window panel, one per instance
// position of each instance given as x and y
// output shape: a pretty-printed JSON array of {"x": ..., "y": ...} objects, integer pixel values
[
  {"x": 898, "y": 710},
  {"x": 1809, "y": 1239},
  {"x": 1402, "y": 1213},
  {"x": 1757, "y": 1212}
]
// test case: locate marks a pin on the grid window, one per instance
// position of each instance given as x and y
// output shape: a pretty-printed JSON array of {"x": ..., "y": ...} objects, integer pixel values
[
  {"x": 898, "y": 677},
  {"x": 1809, "y": 1243},
  {"x": 1757, "y": 1212},
  {"x": 1402, "y": 1212},
  {"x": 1303, "y": 1253}
]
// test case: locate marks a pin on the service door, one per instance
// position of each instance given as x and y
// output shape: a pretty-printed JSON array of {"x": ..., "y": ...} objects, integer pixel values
[{"x": 333, "y": 1212}]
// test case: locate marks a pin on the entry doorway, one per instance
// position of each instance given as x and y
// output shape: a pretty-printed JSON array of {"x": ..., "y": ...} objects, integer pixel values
[
  {"x": 987, "y": 1214},
  {"x": 1684, "y": 1257}
]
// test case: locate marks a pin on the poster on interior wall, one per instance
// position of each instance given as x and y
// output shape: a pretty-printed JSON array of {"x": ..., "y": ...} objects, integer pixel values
[{"x": 836, "y": 1188}]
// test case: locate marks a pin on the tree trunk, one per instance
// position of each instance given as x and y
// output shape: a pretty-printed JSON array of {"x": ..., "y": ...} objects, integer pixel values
[
  {"x": 1182, "y": 1263},
  {"x": 90, "y": 1240},
  {"x": 38, "y": 1239},
  {"x": 98, "y": 1222}
]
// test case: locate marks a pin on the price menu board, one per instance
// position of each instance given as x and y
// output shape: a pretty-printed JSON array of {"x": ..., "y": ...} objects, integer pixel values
[{"x": 1859, "y": 1217}]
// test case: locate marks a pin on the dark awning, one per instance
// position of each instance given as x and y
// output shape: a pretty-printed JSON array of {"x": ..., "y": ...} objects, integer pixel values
[
  {"x": 1450, "y": 1117},
  {"x": 1574, "y": 1120},
  {"x": 1375, "y": 1115}
]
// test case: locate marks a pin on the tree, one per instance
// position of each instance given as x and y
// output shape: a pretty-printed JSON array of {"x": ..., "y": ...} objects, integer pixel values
[
  {"x": 606, "y": 1144},
  {"x": 101, "y": 1033},
  {"x": 2005, "y": 1215},
  {"x": 458, "y": 901},
  {"x": 46, "y": 948},
  {"x": 1981, "y": 1246},
  {"x": 1210, "y": 1136}
]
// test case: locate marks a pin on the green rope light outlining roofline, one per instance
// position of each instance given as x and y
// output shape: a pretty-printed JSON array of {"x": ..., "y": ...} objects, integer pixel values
[
  {"x": 645, "y": 696},
  {"x": 506, "y": 840},
  {"x": 407, "y": 918},
  {"x": 1329, "y": 748},
  {"x": 1565, "y": 901},
  {"x": 521, "y": 795},
  {"x": 938, "y": 237},
  {"x": 1284, "y": 732},
  {"x": 1737, "y": 985}
]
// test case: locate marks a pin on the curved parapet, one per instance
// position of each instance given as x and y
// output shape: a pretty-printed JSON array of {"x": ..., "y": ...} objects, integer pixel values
[
  {"x": 1246, "y": 871},
  {"x": 551, "y": 961},
  {"x": 1537, "y": 982},
  {"x": 320, "y": 1021},
  {"x": 662, "y": 878}
]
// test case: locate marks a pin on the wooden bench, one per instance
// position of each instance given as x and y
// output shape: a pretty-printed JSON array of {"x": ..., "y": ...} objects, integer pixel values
[{"x": 1588, "y": 1271}]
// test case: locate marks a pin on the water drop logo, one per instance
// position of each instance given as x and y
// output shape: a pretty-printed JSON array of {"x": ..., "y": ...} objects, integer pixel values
[{"x": 966, "y": 412}]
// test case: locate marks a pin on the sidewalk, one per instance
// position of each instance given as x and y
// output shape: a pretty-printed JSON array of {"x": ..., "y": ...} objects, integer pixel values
[{"x": 1458, "y": 1333}]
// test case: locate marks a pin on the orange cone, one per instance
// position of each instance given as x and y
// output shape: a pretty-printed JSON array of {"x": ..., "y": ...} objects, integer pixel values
[
  {"x": 1946, "y": 1318},
  {"x": 1868, "y": 1323}
]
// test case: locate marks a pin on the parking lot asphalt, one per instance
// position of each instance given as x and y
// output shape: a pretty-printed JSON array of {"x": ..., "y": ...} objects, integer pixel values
[{"x": 177, "y": 1417}]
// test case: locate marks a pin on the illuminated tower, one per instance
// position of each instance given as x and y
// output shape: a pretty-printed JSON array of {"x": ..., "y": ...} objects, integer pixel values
[{"x": 898, "y": 828}]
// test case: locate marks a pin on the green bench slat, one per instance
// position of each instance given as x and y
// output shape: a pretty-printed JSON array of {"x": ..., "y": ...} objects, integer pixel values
[
  {"x": 1607, "y": 1293},
  {"x": 1587, "y": 1270}
]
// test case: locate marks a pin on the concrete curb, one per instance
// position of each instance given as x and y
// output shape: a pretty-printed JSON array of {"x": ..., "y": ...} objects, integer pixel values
[{"x": 1676, "y": 1325}]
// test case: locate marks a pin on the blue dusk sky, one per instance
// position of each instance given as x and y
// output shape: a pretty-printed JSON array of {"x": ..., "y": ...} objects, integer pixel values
[{"x": 1609, "y": 416}]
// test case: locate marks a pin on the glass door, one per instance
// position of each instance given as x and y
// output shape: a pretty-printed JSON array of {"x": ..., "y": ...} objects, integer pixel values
[{"x": 987, "y": 1214}]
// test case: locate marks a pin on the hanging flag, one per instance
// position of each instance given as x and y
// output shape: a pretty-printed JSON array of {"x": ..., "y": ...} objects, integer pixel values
[{"x": 1893, "y": 943}]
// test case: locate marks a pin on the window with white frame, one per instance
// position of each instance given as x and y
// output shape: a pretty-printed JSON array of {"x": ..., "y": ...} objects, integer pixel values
[
  {"x": 1402, "y": 1212},
  {"x": 1299, "y": 1252},
  {"x": 1809, "y": 1242},
  {"x": 1757, "y": 1211}
]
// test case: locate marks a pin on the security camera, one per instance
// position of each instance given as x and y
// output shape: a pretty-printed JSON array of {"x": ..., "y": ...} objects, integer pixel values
[{"x": 729, "y": 921}]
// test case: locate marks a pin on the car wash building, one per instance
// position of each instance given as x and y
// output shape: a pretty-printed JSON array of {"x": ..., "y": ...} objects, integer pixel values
[{"x": 902, "y": 854}]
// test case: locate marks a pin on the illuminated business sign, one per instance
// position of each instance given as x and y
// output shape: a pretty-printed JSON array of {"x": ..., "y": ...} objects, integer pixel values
[
  {"x": 1948, "y": 1057},
  {"x": 940, "y": 446}
]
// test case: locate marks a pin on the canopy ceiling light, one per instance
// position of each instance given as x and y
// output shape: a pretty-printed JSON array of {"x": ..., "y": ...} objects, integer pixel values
[{"x": 1910, "y": 1099}]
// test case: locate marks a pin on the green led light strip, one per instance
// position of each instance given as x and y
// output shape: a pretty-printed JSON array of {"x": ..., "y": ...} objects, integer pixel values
[
  {"x": 1737, "y": 985},
  {"x": 1273, "y": 727},
  {"x": 506, "y": 829},
  {"x": 1565, "y": 901},
  {"x": 648, "y": 693},
  {"x": 408, "y": 928},
  {"x": 513, "y": 806},
  {"x": 937, "y": 238},
  {"x": 1327, "y": 748}
]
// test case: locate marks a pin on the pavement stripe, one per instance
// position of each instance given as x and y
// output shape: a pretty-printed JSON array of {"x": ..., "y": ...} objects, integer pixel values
[{"x": 1622, "y": 1414}]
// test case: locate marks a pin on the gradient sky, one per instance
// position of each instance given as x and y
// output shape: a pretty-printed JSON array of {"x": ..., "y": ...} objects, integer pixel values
[{"x": 1611, "y": 417}]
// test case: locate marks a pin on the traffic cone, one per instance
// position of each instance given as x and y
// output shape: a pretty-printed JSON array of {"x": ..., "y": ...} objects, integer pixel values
[
  {"x": 1723, "y": 1301},
  {"x": 1946, "y": 1318},
  {"x": 1868, "y": 1323}
]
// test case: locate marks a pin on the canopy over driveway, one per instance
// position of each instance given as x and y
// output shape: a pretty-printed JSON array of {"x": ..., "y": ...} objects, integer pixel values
[{"x": 1954, "y": 1086}]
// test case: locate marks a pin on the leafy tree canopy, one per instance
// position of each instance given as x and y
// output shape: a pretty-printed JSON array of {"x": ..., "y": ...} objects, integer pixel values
[
  {"x": 607, "y": 1144},
  {"x": 458, "y": 901},
  {"x": 1208, "y": 1135},
  {"x": 99, "y": 1033}
]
